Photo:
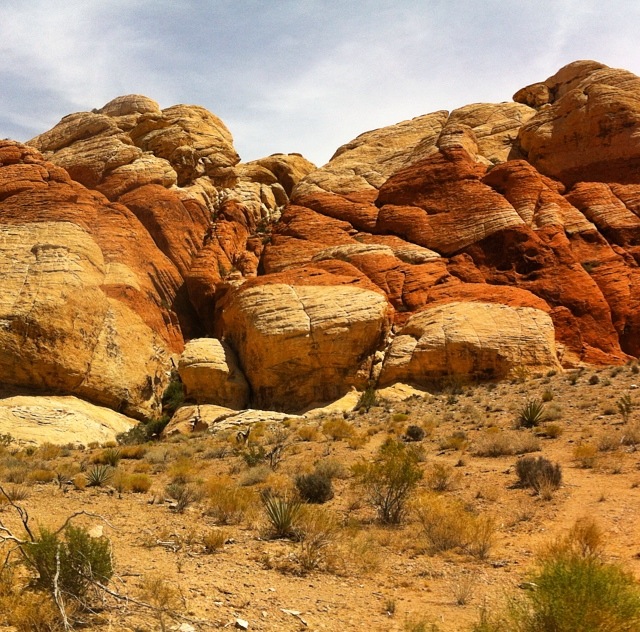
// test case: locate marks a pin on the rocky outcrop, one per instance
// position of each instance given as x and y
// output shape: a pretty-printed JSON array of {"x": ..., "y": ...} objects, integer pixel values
[
  {"x": 59, "y": 420},
  {"x": 209, "y": 371},
  {"x": 467, "y": 242},
  {"x": 82, "y": 304},
  {"x": 305, "y": 337},
  {"x": 478, "y": 340},
  {"x": 587, "y": 127}
]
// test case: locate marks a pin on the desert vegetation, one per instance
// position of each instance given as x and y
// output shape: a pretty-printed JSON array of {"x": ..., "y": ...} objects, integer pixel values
[{"x": 467, "y": 509}]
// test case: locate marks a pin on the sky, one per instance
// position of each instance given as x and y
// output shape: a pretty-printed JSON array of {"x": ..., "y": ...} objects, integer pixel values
[{"x": 300, "y": 76}]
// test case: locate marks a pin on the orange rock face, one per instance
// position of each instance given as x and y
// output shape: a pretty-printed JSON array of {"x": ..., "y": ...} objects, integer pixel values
[{"x": 473, "y": 242}]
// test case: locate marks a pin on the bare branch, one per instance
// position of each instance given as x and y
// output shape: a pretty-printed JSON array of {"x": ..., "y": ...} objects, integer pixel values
[{"x": 83, "y": 513}]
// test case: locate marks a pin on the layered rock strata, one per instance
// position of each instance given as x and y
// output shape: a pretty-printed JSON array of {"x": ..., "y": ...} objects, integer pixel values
[{"x": 470, "y": 242}]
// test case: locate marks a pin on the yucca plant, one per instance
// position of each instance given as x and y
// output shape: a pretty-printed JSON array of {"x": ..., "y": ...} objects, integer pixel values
[
  {"x": 283, "y": 515},
  {"x": 99, "y": 475},
  {"x": 531, "y": 414},
  {"x": 111, "y": 456}
]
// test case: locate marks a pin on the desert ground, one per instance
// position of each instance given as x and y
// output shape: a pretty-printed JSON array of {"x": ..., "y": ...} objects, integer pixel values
[{"x": 193, "y": 547}]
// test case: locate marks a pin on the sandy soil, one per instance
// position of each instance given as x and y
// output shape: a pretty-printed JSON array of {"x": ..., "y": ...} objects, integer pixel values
[{"x": 368, "y": 576}]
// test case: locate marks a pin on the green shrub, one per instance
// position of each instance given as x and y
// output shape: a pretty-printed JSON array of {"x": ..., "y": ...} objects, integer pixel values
[
  {"x": 315, "y": 487},
  {"x": 173, "y": 396},
  {"x": 144, "y": 431},
  {"x": 183, "y": 494},
  {"x": 283, "y": 515},
  {"x": 77, "y": 559},
  {"x": 99, "y": 475},
  {"x": 110, "y": 456},
  {"x": 389, "y": 479},
  {"x": 531, "y": 414},
  {"x": 581, "y": 594},
  {"x": 367, "y": 399},
  {"x": 254, "y": 455}
]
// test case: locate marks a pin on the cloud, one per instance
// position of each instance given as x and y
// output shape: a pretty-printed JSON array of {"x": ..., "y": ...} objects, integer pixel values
[{"x": 296, "y": 75}]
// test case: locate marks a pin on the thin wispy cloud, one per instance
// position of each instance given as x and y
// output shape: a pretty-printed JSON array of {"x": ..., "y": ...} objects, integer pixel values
[{"x": 297, "y": 75}]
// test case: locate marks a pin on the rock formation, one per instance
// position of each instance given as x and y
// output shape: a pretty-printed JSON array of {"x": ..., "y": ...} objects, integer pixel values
[{"x": 470, "y": 242}]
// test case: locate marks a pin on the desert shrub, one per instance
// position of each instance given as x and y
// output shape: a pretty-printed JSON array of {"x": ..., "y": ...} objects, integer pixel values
[
  {"x": 308, "y": 433},
  {"x": 41, "y": 475},
  {"x": 147, "y": 430},
  {"x": 553, "y": 412},
  {"x": 531, "y": 414},
  {"x": 577, "y": 593},
  {"x": 31, "y": 612},
  {"x": 254, "y": 455},
  {"x": 133, "y": 452},
  {"x": 255, "y": 475},
  {"x": 165, "y": 599},
  {"x": 314, "y": 487},
  {"x": 494, "y": 442},
  {"x": 414, "y": 433},
  {"x": 609, "y": 441},
  {"x": 48, "y": 451},
  {"x": 182, "y": 470},
  {"x": 331, "y": 468},
  {"x": 338, "y": 429},
  {"x": 139, "y": 483},
  {"x": 631, "y": 434},
  {"x": 213, "y": 540},
  {"x": 227, "y": 503},
  {"x": 71, "y": 561},
  {"x": 447, "y": 524},
  {"x": 594, "y": 379},
  {"x": 547, "y": 395},
  {"x": 99, "y": 475},
  {"x": 398, "y": 417},
  {"x": 625, "y": 407},
  {"x": 586, "y": 455},
  {"x": 283, "y": 515},
  {"x": 442, "y": 478},
  {"x": 173, "y": 396},
  {"x": 316, "y": 530},
  {"x": 552, "y": 431},
  {"x": 538, "y": 473},
  {"x": 110, "y": 456},
  {"x": 367, "y": 399},
  {"x": 183, "y": 495},
  {"x": 457, "y": 440},
  {"x": 389, "y": 479}
]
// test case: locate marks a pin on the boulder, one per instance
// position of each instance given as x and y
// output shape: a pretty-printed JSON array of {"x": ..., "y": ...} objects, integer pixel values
[
  {"x": 305, "y": 337},
  {"x": 83, "y": 291},
  {"x": 590, "y": 130},
  {"x": 476, "y": 340},
  {"x": 59, "y": 420},
  {"x": 209, "y": 371}
]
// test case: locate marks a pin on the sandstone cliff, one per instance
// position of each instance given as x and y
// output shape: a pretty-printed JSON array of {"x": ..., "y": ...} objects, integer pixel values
[{"x": 471, "y": 242}]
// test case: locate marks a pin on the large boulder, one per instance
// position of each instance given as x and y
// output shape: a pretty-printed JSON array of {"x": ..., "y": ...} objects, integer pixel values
[
  {"x": 589, "y": 127},
  {"x": 478, "y": 340},
  {"x": 305, "y": 337},
  {"x": 59, "y": 420},
  {"x": 210, "y": 373},
  {"x": 83, "y": 291}
]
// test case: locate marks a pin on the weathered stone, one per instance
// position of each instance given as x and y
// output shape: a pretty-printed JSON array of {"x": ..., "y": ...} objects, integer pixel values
[
  {"x": 304, "y": 338},
  {"x": 210, "y": 373},
  {"x": 480, "y": 340},
  {"x": 59, "y": 420}
]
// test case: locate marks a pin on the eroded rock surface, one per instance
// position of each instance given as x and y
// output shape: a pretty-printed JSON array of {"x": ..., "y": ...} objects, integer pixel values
[
  {"x": 210, "y": 373},
  {"x": 59, "y": 420},
  {"x": 468, "y": 242}
]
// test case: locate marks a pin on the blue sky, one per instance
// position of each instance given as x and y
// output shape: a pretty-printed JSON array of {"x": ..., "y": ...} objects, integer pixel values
[{"x": 295, "y": 75}]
